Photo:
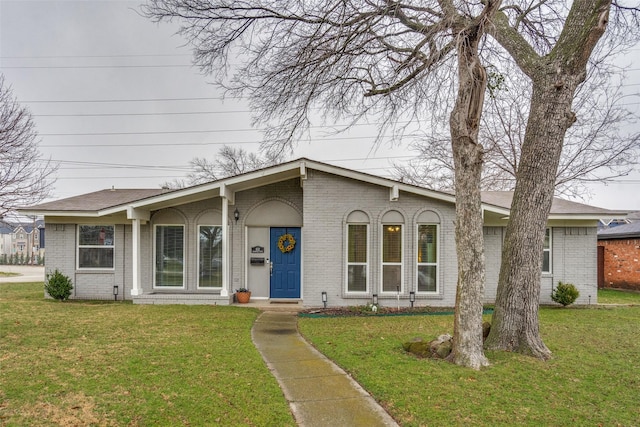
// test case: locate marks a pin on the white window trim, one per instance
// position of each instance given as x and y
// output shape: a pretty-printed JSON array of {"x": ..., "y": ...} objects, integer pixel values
[
  {"x": 213, "y": 288},
  {"x": 155, "y": 248},
  {"x": 550, "y": 250},
  {"x": 401, "y": 263},
  {"x": 437, "y": 263},
  {"x": 112, "y": 246},
  {"x": 366, "y": 264}
]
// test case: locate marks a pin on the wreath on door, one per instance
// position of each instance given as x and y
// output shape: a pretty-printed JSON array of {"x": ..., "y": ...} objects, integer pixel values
[{"x": 286, "y": 243}]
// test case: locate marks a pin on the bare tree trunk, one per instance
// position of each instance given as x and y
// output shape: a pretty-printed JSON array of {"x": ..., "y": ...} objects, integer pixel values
[
  {"x": 467, "y": 336},
  {"x": 515, "y": 318},
  {"x": 555, "y": 78},
  {"x": 467, "y": 155}
]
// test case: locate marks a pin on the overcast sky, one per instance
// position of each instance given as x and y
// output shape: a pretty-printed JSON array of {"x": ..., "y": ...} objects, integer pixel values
[{"x": 117, "y": 102}]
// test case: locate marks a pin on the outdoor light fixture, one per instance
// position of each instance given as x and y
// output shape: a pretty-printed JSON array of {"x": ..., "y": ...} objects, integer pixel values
[
  {"x": 375, "y": 299},
  {"x": 324, "y": 299},
  {"x": 115, "y": 292},
  {"x": 236, "y": 215},
  {"x": 412, "y": 298}
]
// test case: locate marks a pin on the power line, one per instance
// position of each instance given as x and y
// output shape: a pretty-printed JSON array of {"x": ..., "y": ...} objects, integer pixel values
[
  {"x": 99, "y": 165},
  {"x": 143, "y": 55},
  {"x": 81, "y": 67},
  {"x": 72, "y": 101},
  {"x": 219, "y": 98},
  {"x": 144, "y": 114},
  {"x": 177, "y": 144},
  {"x": 149, "y": 132}
]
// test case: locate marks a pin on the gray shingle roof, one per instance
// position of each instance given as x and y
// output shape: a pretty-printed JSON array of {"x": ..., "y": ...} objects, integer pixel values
[
  {"x": 105, "y": 199},
  {"x": 98, "y": 200},
  {"x": 558, "y": 206},
  {"x": 626, "y": 231}
]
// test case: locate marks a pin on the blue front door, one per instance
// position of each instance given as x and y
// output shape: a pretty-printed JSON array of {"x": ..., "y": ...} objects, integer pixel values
[{"x": 285, "y": 256}]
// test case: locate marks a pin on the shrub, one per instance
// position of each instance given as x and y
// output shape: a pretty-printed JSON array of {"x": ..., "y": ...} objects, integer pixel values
[
  {"x": 565, "y": 294},
  {"x": 58, "y": 286}
]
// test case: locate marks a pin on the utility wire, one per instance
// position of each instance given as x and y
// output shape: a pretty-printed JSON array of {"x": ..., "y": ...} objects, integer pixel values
[
  {"x": 177, "y": 144},
  {"x": 181, "y": 113}
]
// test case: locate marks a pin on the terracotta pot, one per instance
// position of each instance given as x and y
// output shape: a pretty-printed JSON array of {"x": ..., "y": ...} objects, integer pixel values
[{"x": 243, "y": 297}]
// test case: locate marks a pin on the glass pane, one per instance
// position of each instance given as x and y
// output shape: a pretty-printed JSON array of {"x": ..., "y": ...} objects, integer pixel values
[
  {"x": 210, "y": 268},
  {"x": 95, "y": 258},
  {"x": 546, "y": 267},
  {"x": 547, "y": 239},
  {"x": 95, "y": 235},
  {"x": 391, "y": 278},
  {"x": 169, "y": 255},
  {"x": 357, "y": 278},
  {"x": 427, "y": 243},
  {"x": 357, "y": 243},
  {"x": 427, "y": 278},
  {"x": 392, "y": 243}
]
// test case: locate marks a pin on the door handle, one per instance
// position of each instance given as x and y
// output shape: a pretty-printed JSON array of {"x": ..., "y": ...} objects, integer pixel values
[{"x": 271, "y": 268}]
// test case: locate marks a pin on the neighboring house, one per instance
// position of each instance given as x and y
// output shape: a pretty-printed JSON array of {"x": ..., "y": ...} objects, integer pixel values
[
  {"x": 22, "y": 242},
  {"x": 619, "y": 257},
  {"x": 292, "y": 232}
]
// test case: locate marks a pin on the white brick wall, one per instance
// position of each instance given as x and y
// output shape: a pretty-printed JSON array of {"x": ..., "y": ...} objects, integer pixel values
[
  {"x": 327, "y": 202},
  {"x": 324, "y": 202}
]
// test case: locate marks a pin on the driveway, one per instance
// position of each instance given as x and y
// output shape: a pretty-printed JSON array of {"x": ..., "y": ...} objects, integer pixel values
[{"x": 26, "y": 273}]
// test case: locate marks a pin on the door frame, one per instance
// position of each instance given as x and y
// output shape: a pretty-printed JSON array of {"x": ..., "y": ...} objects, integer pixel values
[{"x": 274, "y": 233}]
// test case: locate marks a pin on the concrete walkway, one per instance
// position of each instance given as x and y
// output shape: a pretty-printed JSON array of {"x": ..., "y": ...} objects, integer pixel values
[{"x": 318, "y": 391}]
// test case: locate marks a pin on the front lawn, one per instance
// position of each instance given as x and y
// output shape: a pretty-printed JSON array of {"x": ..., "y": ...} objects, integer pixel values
[
  {"x": 593, "y": 378},
  {"x": 112, "y": 364},
  {"x": 617, "y": 296}
]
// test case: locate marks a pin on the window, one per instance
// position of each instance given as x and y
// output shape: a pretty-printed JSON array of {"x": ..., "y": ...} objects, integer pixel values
[
  {"x": 210, "y": 256},
  {"x": 546, "y": 252},
  {"x": 392, "y": 258},
  {"x": 169, "y": 261},
  {"x": 357, "y": 258},
  {"x": 427, "y": 258},
  {"x": 95, "y": 246}
]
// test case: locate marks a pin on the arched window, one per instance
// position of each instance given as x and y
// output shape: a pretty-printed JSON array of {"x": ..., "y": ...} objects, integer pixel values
[
  {"x": 357, "y": 255},
  {"x": 392, "y": 245},
  {"x": 427, "y": 244}
]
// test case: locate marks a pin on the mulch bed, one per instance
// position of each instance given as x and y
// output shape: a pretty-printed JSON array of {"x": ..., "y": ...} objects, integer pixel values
[{"x": 381, "y": 311}]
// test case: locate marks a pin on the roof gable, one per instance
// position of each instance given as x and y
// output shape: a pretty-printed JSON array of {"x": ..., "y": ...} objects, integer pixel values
[{"x": 116, "y": 200}]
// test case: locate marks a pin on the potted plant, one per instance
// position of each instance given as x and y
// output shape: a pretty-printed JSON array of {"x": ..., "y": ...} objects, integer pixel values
[{"x": 243, "y": 295}]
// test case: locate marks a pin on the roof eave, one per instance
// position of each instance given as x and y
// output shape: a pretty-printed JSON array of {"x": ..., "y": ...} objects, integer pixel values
[
  {"x": 46, "y": 213},
  {"x": 618, "y": 236}
]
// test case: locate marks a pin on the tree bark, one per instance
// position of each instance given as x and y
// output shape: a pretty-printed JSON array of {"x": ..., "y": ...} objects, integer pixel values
[
  {"x": 555, "y": 78},
  {"x": 464, "y": 124},
  {"x": 515, "y": 319}
]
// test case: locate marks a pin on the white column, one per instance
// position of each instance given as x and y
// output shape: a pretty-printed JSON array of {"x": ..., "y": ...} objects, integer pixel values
[
  {"x": 225, "y": 247},
  {"x": 136, "y": 288}
]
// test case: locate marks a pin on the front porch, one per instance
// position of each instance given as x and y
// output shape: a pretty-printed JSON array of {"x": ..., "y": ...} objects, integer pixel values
[
  {"x": 182, "y": 298},
  {"x": 264, "y": 304}
]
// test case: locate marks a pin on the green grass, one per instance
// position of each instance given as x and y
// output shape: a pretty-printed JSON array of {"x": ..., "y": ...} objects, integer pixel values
[
  {"x": 593, "y": 378},
  {"x": 614, "y": 296},
  {"x": 112, "y": 364}
]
